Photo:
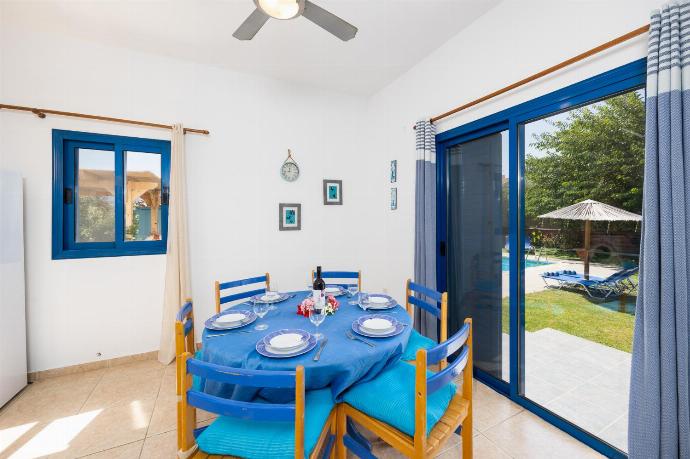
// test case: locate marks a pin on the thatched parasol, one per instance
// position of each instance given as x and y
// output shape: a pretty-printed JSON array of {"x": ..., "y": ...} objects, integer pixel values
[{"x": 589, "y": 211}]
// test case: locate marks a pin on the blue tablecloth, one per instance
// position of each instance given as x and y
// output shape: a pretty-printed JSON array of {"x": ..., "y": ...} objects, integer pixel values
[{"x": 343, "y": 362}]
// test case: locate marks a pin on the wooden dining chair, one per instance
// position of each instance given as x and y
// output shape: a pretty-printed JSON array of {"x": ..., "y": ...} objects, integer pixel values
[
  {"x": 266, "y": 279},
  {"x": 184, "y": 342},
  {"x": 341, "y": 278},
  {"x": 301, "y": 429},
  {"x": 412, "y": 409},
  {"x": 437, "y": 306}
]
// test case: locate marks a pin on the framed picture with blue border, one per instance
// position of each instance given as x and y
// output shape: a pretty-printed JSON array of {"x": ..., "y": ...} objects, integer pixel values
[
  {"x": 332, "y": 192},
  {"x": 394, "y": 198},
  {"x": 394, "y": 171},
  {"x": 289, "y": 217}
]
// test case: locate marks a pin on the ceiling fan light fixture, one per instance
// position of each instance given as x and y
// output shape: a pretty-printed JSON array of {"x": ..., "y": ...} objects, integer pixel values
[{"x": 281, "y": 9}]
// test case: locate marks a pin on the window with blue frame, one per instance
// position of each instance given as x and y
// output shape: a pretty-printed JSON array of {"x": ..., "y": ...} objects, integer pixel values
[{"x": 110, "y": 195}]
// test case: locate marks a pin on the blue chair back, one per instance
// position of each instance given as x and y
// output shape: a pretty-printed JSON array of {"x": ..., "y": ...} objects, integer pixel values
[
  {"x": 184, "y": 329},
  {"x": 219, "y": 287},
  {"x": 193, "y": 399},
  {"x": 342, "y": 278},
  {"x": 436, "y": 304}
]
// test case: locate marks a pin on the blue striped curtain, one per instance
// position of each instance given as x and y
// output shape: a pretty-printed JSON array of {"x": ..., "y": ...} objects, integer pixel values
[
  {"x": 659, "y": 418},
  {"x": 425, "y": 221}
]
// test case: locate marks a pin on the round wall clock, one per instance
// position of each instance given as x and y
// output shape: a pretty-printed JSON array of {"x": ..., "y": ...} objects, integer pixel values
[{"x": 289, "y": 170}]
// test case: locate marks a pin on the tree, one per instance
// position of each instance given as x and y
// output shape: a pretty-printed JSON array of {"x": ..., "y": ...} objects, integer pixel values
[
  {"x": 596, "y": 153},
  {"x": 96, "y": 219}
]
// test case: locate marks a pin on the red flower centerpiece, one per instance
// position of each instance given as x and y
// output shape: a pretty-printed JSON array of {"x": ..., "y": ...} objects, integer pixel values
[{"x": 306, "y": 306}]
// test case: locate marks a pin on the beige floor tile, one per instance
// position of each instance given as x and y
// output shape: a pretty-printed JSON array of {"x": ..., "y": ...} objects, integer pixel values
[
  {"x": 40, "y": 409},
  {"x": 491, "y": 408},
  {"x": 115, "y": 425},
  {"x": 163, "y": 446},
  {"x": 127, "y": 387},
  {"x": 482, "y": 448},
  {"x": 64, "y": 386},
  {"x": 168, "y": 386},
  {"x": 527, "y": 436},
  {"x": 128, "y": 451},
  {"x": 164, "y": 417}
]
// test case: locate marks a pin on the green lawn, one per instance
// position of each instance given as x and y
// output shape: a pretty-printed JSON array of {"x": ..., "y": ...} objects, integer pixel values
[{"x": 572, "y": 313}]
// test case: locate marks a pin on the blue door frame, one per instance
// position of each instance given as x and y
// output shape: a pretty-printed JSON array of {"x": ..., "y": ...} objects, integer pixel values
[{"x": 622, "y": 79}]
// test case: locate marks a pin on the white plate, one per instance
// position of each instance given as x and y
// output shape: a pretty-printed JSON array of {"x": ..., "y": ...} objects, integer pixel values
[
  {"x": 378, "y": 332},
  {"x": 229, "y": 319},
  {"x": 378, "y": 299},
  {"x": 332, "y": 290},
  {"x": 377, "y": 325},
  {"x": 270, "y": 297},
  {"x": 288, "y": 351},
  {"x": 286, "y": 342}
]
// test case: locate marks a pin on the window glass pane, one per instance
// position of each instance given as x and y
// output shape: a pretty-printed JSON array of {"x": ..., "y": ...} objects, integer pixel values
[
  {"x": 478, "y": 277},
  {"x": 95, "y": 220},
  {"x": 142, "y": 196},
  {"x": 580, "y": 307}
]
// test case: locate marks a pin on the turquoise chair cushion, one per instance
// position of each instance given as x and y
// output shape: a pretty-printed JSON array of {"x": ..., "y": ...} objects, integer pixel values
[
  {"x": 259, "y": 439},
  {"x": 416, "y": 342},
  {"x": 390, "y": 398},
  {"x": 197, "y": 383}
]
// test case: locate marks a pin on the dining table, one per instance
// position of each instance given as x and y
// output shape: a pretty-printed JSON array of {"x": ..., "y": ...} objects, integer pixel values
[{"x": 342, "y": 363}]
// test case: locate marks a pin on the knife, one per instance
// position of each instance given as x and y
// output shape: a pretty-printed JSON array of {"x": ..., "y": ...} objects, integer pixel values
[{"x": 318, "y": 354}]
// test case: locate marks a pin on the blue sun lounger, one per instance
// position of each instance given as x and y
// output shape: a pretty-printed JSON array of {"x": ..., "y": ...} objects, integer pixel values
[{"x": 596, "y": 287}]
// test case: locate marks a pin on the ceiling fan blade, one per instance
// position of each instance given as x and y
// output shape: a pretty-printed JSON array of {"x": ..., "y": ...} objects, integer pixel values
[
  {"x": 251, "y": 25},
  {"x": 329, "y": 21}
]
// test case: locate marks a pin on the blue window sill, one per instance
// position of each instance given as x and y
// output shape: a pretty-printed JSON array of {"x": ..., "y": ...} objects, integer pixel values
[{"x": 99, "y": 253}]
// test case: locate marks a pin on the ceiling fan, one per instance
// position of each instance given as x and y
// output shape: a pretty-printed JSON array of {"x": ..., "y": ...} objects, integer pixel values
[{"x": 290, "y": 9}]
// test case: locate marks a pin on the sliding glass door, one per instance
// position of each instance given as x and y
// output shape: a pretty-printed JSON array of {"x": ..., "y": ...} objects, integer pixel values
[
  {"x": 582, "y": 215},
  {"x": 539, "y": 231},
  {"x": 477, "y": 235}
]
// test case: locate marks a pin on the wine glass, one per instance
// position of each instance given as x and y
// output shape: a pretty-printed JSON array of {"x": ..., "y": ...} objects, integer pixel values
[
  {"x": 353, "y": 289},
  {"x": 269, "y": 293},
  {"x": 363, "y": 300},
  {"x": 316, "y": 317},
  {"x": 260, "y": 309}
]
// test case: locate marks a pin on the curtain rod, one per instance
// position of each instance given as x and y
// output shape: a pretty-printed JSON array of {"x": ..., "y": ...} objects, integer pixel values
[
  {"x": 572, "y": 60},
  {"x": 42, "y": 112}
]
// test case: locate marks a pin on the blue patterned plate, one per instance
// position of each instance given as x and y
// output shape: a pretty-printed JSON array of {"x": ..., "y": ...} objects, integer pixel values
[
  {"x": 391, "y": 303},
  {"x": 265, "y": 350},
  {"x": 304, "y": 334},
  {"x": 356, "y": 327},
  {"x": 250, "y": 317},
  {"x": 259, "y": 298}
]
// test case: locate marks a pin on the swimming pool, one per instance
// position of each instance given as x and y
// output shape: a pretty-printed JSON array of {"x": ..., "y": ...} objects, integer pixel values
[{"x": 528, "y": 264}]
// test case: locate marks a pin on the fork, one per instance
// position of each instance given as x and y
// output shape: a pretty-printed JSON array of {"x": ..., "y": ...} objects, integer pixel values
[{"x": 357, "y": 338}]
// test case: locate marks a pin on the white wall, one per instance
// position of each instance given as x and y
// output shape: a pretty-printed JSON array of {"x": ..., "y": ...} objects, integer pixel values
[
  {"x": 510, "y": 42},
  {"x": 77, "y": 308}
]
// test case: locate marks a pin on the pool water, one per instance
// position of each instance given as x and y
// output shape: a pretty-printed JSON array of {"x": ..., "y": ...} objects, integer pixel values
[{"x": 505, "y": 266}]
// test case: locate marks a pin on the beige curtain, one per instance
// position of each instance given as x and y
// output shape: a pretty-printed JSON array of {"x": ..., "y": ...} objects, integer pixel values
[{"x": 177, "y": 285}]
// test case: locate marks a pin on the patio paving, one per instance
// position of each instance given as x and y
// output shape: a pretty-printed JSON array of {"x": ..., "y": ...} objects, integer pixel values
[{"x": 582, "y": 381}]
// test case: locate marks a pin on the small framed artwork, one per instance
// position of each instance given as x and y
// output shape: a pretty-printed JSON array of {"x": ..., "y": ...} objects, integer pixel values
[
  {"x": 394, "y": 171},
  {"x": 290, "y": 217},
  {"x": 333, "y": 192},
  {"x": 394, "y": 198}
]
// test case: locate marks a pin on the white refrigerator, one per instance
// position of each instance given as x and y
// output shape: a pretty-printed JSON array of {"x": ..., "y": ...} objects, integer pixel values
[{"x": 12, "y": 307}]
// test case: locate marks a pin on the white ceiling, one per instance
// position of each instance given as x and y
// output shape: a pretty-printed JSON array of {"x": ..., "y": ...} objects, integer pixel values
[{"x": 393, "y": 35}]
